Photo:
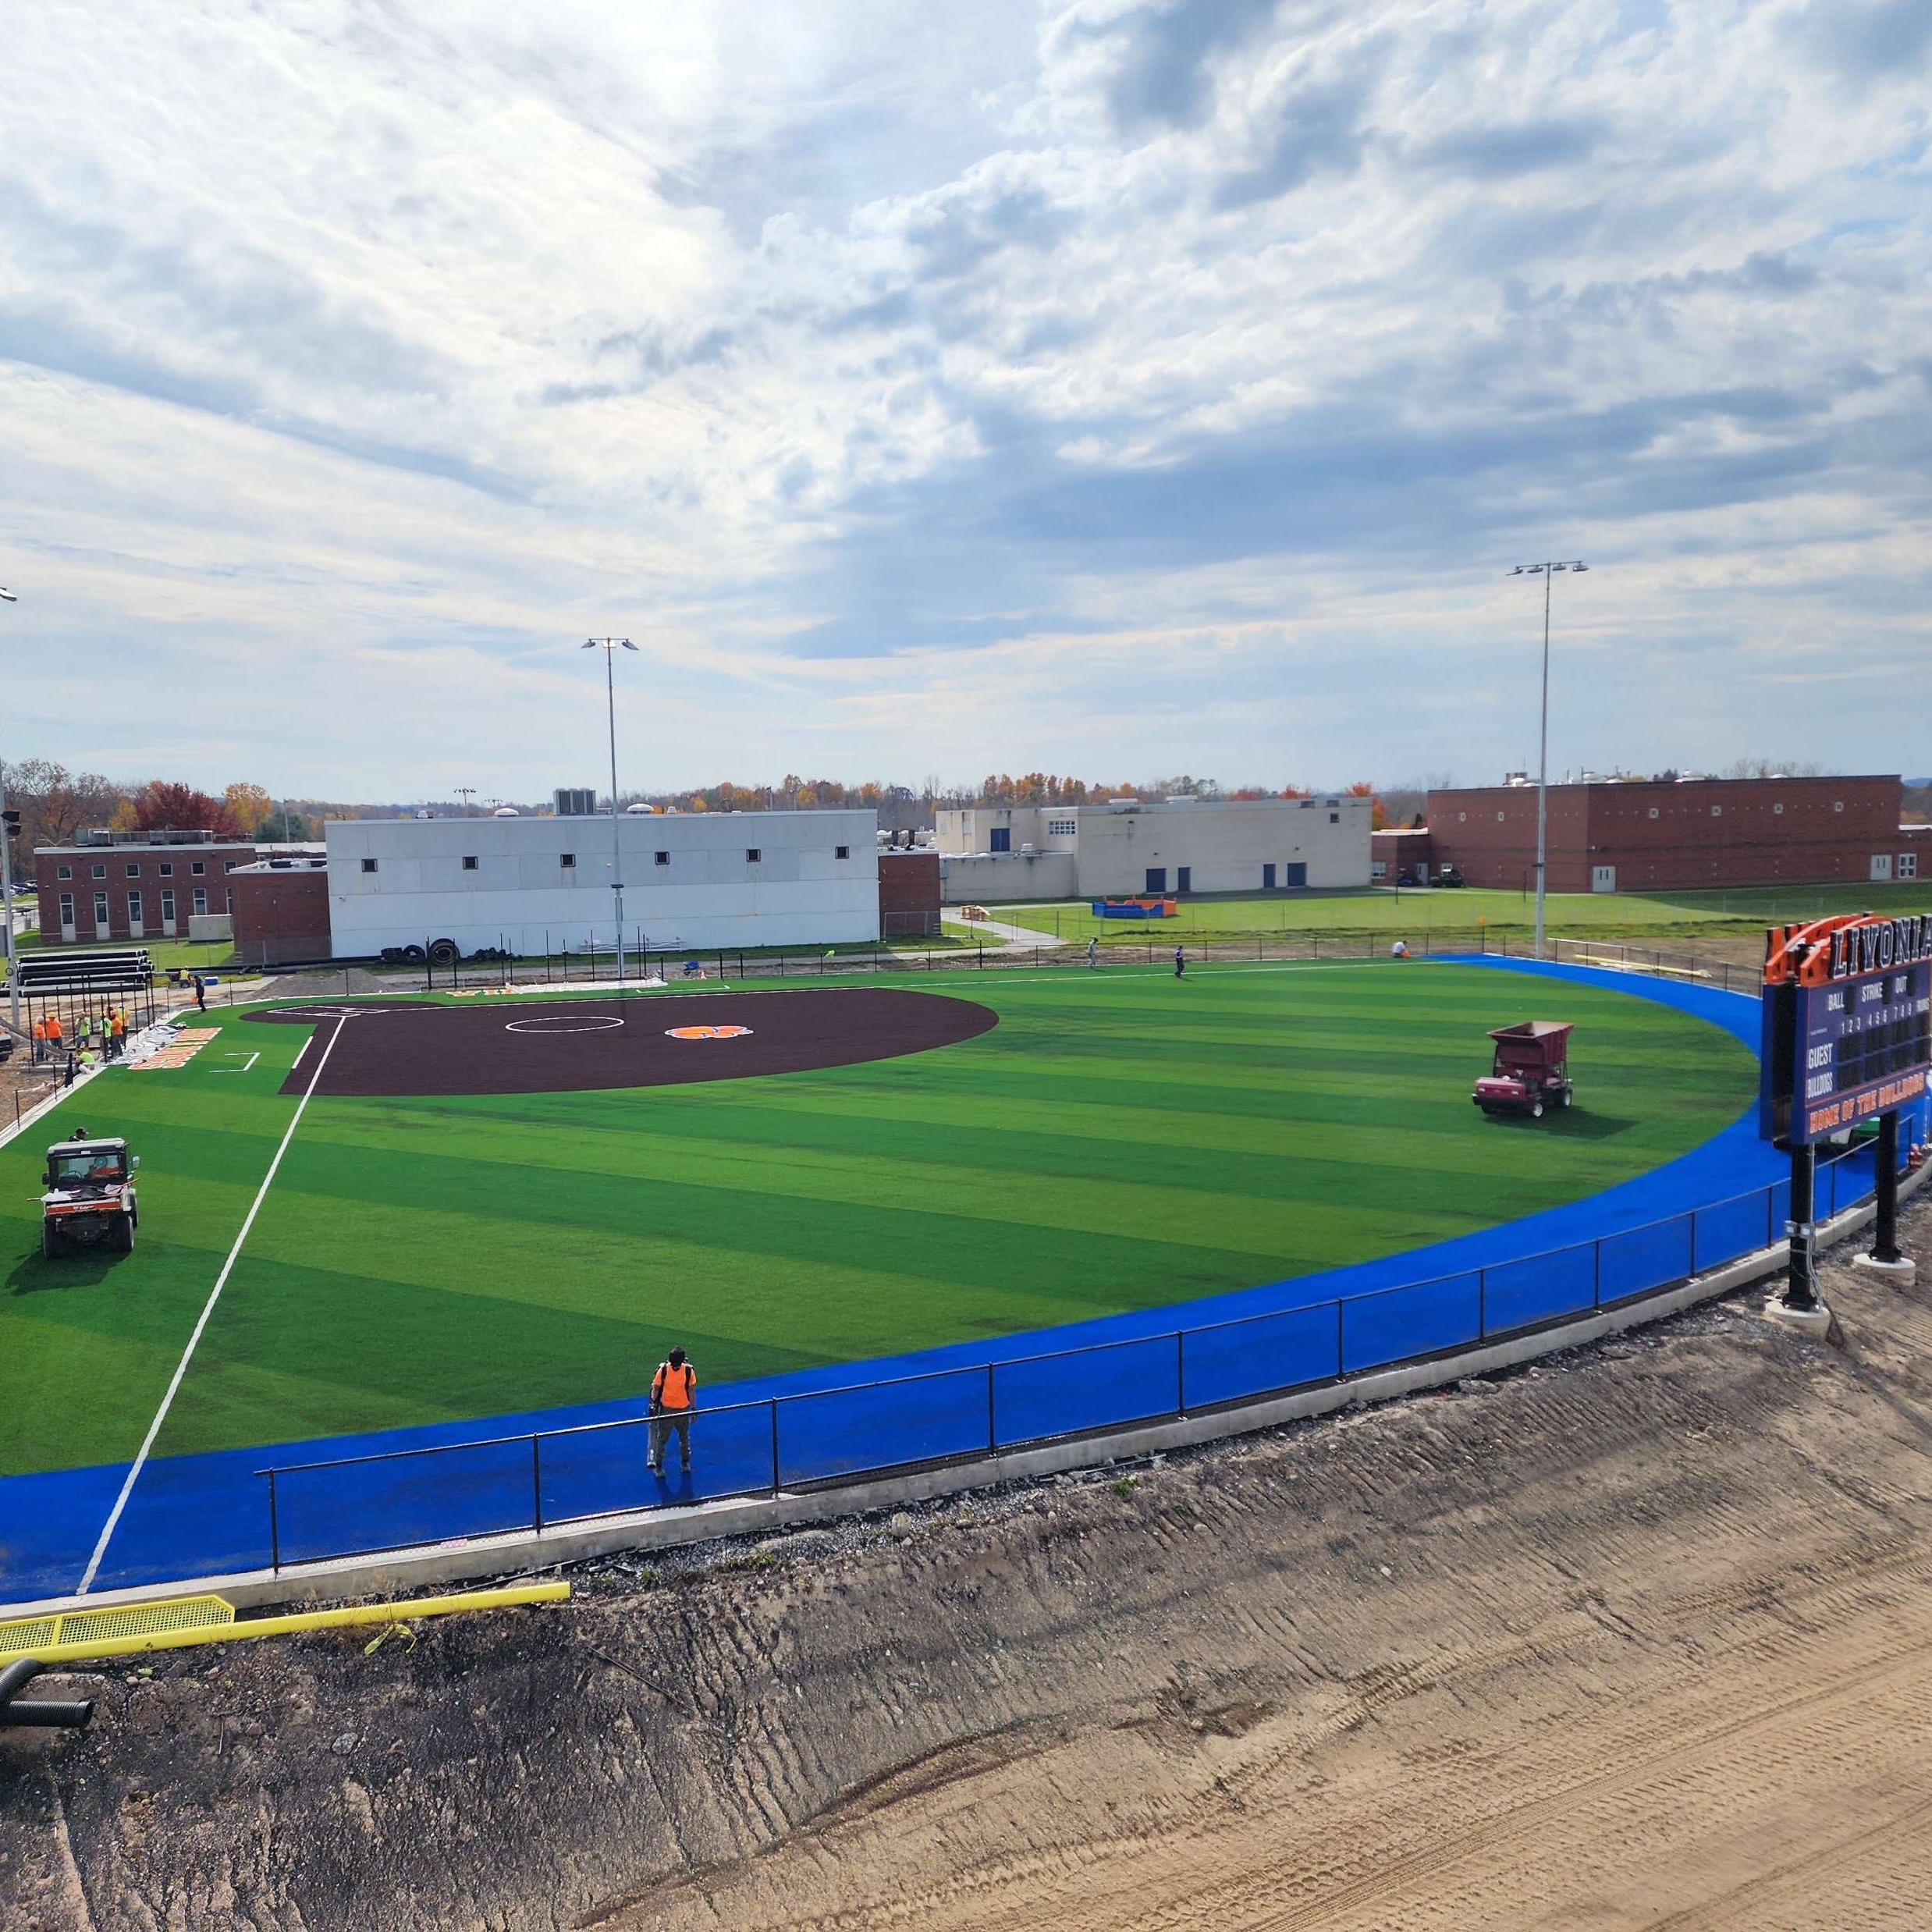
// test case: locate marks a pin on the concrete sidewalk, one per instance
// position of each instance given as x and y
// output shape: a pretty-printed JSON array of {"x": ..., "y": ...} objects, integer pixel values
[{"x": 998, "y": 929}]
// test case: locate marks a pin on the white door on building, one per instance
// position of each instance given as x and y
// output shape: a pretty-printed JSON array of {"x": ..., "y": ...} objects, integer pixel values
[
  {"x": 1603, "y": 879},
  {"x": 1881, "y": 865}
]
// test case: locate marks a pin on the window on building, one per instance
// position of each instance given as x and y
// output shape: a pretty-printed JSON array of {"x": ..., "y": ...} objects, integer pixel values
[
  {"x": 469, "y": 862},
  {"x": 842, "y": 851},
  {"x": 198, "y": 867},
  {"x": 1716, "y": 812},
  {"x": 568, "y": 861},
  {"x": 67, "y": 908},
  {"x": 133, "y": 871},
  {"x": 133, "y": 909},
  {"x": 230, "y": 906},
  {"x": 63, "y": 872},
  {"x": 201, "y": 899},
  {"x": 228, "y": 864},
  {"x": 1653, "y": 812},
  {"x": 752, "y": 855},
  {"x": 99, "y": 872},
  {"x": 1334, "y": 817},
  {"x": 1000, "y": 839},
  {"x": 167, "y": 907},
  {"x": 100, "y": 912},
  {"x": 1837, "y": 804},
  {"x": 663, "y": 858},
  {"x": 1062, "y": 828},
  {"x": 1908, "y": 865},
  {"x": 1778, "y": 810},
  {"x": 1499, "y": 818},
  {"x": 166, "y": 870},
  {"x": 368, "y": 865}
]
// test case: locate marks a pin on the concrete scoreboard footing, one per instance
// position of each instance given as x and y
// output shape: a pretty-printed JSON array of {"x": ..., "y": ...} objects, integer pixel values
[
  {"x": 1902, "y": 1272},
  {"x": 1815, "y": 1322}
]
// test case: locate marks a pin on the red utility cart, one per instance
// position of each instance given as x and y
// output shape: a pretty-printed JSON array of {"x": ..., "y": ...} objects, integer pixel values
[{"x": 1531, "y": 1070}]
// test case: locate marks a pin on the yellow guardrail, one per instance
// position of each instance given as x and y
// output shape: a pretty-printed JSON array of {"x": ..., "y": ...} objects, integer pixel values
[{"x": 71, "y": 1636}]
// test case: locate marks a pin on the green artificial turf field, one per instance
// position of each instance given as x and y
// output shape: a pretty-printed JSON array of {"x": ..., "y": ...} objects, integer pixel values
[{"x": 1119, "y": 1141}]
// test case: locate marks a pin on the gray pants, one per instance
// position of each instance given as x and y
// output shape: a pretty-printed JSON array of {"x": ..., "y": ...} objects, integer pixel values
[{"x": 661, "y": 1424}]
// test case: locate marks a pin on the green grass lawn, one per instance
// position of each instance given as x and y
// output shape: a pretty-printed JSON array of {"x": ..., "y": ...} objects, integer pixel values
[
  {"x": 208, "y": 956},
  {"x": 1462, "y": 909},
  {"x": 1120, "y": 1141}
]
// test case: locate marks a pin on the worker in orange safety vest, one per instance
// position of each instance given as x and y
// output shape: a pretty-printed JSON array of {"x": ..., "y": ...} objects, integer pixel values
[{"x": 673, "y": 1396}]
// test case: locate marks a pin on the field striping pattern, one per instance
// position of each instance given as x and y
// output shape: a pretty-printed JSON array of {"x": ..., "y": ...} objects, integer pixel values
[{"x": 1119, "y": 1141}]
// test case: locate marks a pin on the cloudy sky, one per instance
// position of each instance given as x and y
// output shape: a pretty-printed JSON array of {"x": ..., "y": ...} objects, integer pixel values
[{"x": 1123, "y": 387}]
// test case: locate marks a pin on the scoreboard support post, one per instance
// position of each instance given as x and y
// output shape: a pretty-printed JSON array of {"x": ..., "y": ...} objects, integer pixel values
[
  {"x": 1801, "y": 1286},
  {"x": 1885, "y": 1260}
]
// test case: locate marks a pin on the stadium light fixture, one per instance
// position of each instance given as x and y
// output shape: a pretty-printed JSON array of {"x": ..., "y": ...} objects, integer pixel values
[
  {"x": 610, "y": 646},
  {"x": 1546, "y": 571}
]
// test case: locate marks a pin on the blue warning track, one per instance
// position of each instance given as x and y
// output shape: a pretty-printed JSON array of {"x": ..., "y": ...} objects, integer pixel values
[{"x": 210, "y": 1515}]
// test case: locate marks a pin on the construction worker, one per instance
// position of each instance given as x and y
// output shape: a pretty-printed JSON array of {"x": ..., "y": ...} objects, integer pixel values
[
  {"x": 120, "y": 1030},
  {"x": 54, "y": 1037},
  {"x": 87, "y": 1032},
  {"x": 200, "y": 994},
  {"x": 40, "y": 1042},
  {"x": 673, "y": 1396}
]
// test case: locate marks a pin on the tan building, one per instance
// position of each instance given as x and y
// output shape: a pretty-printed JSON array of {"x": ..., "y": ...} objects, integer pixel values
[{"x": 1173, "y": 846}]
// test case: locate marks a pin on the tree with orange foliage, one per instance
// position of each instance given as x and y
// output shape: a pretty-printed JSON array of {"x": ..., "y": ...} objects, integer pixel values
[
  {"x": 1378, "y": 817},
  {"x": 162, "y": 806}
]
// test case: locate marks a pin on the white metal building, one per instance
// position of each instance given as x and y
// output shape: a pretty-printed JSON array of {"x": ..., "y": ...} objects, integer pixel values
[
  {"x": 704, "y": 880},
  {"x": 990, "y": 853}
]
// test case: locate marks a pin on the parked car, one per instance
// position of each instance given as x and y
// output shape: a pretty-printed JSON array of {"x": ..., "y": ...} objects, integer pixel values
[
  {"x": 1448, "y": 876},
  {"x": 1405, "y": 879}
]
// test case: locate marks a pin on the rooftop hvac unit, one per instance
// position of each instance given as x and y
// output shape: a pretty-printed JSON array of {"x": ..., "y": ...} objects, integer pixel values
[{"x": 575, "y": 801}]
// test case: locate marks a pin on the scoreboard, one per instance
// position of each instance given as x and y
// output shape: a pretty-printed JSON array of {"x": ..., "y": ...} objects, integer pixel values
[{"x": 1843, "y": 1040}]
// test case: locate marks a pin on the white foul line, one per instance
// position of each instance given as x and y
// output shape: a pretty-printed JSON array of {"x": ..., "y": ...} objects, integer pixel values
[{"x": 221, "y": 1282}]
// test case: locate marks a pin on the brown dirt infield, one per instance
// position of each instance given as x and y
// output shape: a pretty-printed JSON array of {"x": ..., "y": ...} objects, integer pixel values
[{"x": 580, "y": 1046}]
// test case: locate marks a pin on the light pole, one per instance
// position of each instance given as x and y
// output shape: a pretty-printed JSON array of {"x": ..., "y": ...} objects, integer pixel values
[
  {"x": 611, "y": 646},
  {"x": 1546, "y": 571},
  {"x": 6, "y": 883}
]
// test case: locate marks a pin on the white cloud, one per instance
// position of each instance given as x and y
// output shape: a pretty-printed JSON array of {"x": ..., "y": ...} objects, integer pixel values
[{"x": 1118, "y": 386}]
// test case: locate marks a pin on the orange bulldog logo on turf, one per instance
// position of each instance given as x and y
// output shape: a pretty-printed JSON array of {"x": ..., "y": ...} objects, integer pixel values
[{"x": 705, "y": 1032}]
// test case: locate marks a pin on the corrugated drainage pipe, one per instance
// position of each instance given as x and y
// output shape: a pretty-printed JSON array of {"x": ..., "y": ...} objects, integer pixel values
[{"x": 46, "y": 1715}]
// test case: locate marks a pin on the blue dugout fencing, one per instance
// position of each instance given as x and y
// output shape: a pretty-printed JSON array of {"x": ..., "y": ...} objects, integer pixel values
[{"x": 364, "y": 1505}]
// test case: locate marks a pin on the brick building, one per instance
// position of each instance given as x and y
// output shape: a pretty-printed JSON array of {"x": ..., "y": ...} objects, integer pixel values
[
  {"x": 1641, "y": 834},
  {"x": 908, "y": 893},
  {"x": 110, "y": 885},
  {"x": 281, "y": 907},
  {"x": 1401, "y": 855}
]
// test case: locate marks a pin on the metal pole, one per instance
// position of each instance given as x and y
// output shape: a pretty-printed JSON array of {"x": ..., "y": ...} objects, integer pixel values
[
  {"x": 6, "y": 908},
  {"x": 1543, "y": 765},
  {"x": 616, "y": 857},
  {"x": 1802, "y": 1292},
  {"x": 1885, "y": 1232}
]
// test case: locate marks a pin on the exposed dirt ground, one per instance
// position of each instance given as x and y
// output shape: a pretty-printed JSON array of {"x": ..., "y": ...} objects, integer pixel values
[
  {"x": 1639, "y": 1638},
  {"x": 22, "y": 1085}
]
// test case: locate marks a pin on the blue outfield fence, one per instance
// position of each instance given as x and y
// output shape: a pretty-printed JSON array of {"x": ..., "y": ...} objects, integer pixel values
[{"x": 517, "y": 1483}]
